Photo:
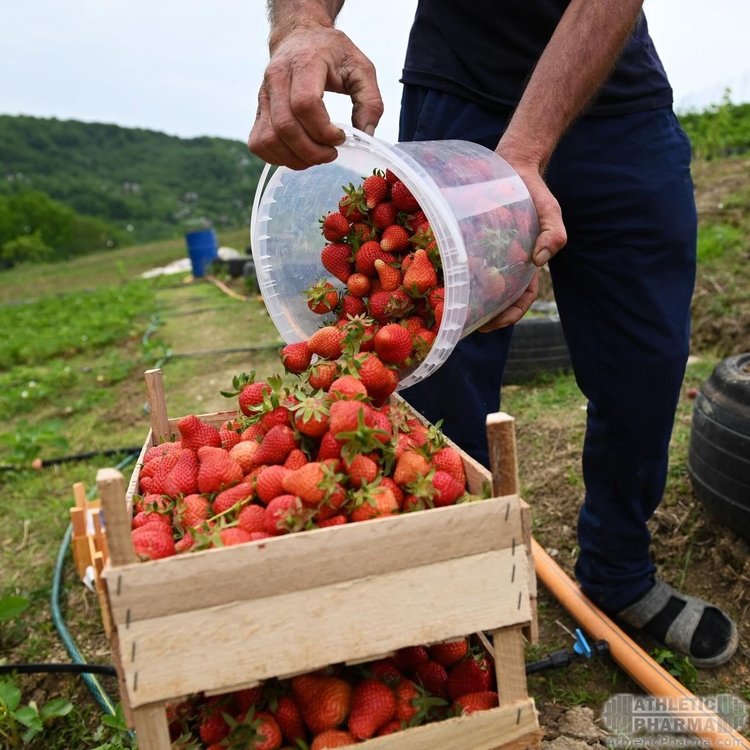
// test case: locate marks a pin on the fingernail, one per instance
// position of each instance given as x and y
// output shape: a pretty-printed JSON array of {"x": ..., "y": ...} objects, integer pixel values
[
  {"x": 369, "y": 129},
  {"x": 542, "y": 256},
  {"x": 342, "y": 137}
]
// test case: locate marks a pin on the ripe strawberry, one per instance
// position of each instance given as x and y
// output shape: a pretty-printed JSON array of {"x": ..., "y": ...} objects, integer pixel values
[
  {"x": 322, "y": 297},
  {"x": 234, "y": 535},
  {"x": 311, "y": 483},
  {"x": 338, "y": 520},
  {"x": 252, "y": 518},
  {"x": 479, "y": 701},
  {"x": 268, "y": 483},
  {"x": 383, "y": 215},
  {"x": 285, "y": 514},
  {"x": 194, "y": 433},
  {"x": 423, "y": 340},
  {"x": 251, "y": 395},
  {"x": 389, "y": 276},
  {"x": 311, "y": 416},
  {"x": 212, "y": 726},
  {"x": 379, "y": 380},
  {"x": 278, "y": 415},
  {"x": 296, "y": 459},
  {"x": 402, "y": 198},
  {"x": 334, "y": 226},
  {"x": 351, "y": 306},
  {"x": 253, "y": 432},
  {"x": 447, "y": 489},
  {"x": 386, "y": 306},
  {"x": 368, "y": 253},
  {"x": 421, "y": 274},
  {"x": 471, "y": 675},
  {"x": 330, "y": 447},
  {"x": 324, "y": 701},
  {"x": 322, "y": 374},
  {"x": 332, "y": 738},
  {"x": 408, "y": 696},
  {"x": 352, "y": 203},
  {"x": 449, "y": 653},
  {"x": 395, "y": 239},
  {"x": 410, "y": 467},
  {"x": 358, "y": 285},
  {"x": 243, "y": 699},
  {"x": 372, "y": 503},
  {"x": 239, "y": 495},
  {"x": 182, "y": 479},
  {"x": 229, "y": 438},
  {"x": 326, "y": 342},
  {"x": 243, "y": 453},
  {"x": 192, "y": 511},
  {"x": 157, "y": 451},
  {"x": 145, "y": 517},
  {"x": 373, "y": 705},
  {"x": 406, "y": 659},
  {"x": 337, "y": 260},
  {"x": 360, "y": 232},
  {"x": 152, "y": 542},
  {"x": 266, "y": 733},
  {"x": 289, "y": 718},
  {"x": 361, "y": 470},
  {"x": 374, "y": 189},
  {"x": 344, "y": 415},
  {"x": 217, "y": 470},
  {"x": 276, "y": 445},
  {"x": 347, "y": 388},
  {"x": 398, "y": 493},
  {"x": 393, "y": 344},
  {"x": 296, "y": 357},
  {"x": 390, "y": 727},
  {"x": 433, "y": 677}
]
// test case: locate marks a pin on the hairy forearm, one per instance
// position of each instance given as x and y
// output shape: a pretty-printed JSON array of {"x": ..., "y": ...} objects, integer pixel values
[
  {"x": 286, "y": 15},
  {"x": 577, "y": 60}
]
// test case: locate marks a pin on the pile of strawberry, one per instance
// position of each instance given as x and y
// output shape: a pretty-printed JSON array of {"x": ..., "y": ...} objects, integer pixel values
[
  {"x": 341, "y": 705},
  {"x": 381, "y": 247},
  {"x": 330, "y": 449}
]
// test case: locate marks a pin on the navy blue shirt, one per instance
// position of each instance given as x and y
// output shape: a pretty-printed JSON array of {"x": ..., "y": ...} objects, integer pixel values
[{"x": 486, "y": 51}]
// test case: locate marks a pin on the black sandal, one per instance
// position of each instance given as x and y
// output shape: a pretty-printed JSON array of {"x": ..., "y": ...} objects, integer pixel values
[{"x": 686, "y": 624}]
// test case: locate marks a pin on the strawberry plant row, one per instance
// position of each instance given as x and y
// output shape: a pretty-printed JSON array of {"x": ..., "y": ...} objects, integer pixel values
[{"x": 225, "y": 618}]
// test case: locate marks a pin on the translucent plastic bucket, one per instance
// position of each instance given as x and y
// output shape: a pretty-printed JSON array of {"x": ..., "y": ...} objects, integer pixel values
[{"x": 479, "y": 209}]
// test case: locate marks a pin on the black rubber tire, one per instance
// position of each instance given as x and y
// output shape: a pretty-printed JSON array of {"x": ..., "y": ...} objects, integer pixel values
[
  {"x": 719, "y": 450},
  {"x": 537, "y": 346}
]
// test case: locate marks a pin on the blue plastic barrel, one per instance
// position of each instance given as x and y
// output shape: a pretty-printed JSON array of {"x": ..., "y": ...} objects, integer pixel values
[{"x": 202, "y": 249}]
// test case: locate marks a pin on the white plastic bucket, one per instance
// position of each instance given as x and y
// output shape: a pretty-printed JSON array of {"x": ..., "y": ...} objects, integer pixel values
[{"x": 479, "y": 209}]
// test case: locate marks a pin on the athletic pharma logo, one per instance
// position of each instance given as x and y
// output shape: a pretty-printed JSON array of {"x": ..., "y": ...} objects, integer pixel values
[{"x": 637, "y": 720}]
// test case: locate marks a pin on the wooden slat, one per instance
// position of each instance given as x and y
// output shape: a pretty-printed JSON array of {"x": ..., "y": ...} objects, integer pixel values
[
  {"x": 501, "y": 441},
  {"x": 496, "y": 729},
  {"x": 305, "y": 630},
  {"x": 79, "y": 494},
  {"x": 510, "y": 665},
  {"x": 111, "y": 487},
  {"x": 313, "y": 558},
  {"x": 157, "y": 405},
  {"x": 151, "y": 728}
]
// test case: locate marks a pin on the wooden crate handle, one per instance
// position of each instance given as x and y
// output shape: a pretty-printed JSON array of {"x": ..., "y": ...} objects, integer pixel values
[
  {"x": 157, "y": 406},
  {"x": 501, "y": 441},
  {"x": 111, "y": 487}
]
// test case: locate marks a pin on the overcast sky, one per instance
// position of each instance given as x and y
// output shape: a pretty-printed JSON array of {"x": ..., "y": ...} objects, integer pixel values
[{"x": 191, "y": 67}]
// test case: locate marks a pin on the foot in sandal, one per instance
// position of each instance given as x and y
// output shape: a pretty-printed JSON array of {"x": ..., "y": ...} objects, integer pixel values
[{"x": 684, "y": 623}]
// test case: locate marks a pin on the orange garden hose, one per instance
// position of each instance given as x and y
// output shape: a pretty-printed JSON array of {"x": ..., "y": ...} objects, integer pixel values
[{"x": 654, "y": 679}]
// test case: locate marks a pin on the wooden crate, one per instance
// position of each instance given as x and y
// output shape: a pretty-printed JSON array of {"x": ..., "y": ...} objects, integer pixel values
[{"x": 269, "y": 608}]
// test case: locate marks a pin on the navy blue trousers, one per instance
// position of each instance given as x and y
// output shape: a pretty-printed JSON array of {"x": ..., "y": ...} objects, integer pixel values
[{"x": 623, "y": 286}]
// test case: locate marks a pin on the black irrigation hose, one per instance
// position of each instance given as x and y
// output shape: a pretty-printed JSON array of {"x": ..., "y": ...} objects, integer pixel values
[
  {"x": 563, "y": 658},
  {"x": 52, "y": 668},
  {"x": 85, "y": 456}
]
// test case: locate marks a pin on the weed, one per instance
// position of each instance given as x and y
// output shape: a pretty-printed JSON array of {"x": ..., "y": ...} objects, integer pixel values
[
  {"x": 19, "y": 722},
  {"x": 680, "y": 667}
]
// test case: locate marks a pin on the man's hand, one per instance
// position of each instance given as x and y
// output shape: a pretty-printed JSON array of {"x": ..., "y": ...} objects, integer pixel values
[
  {"x": 517, "y": 310},
  {"x": 292, "y": 126}
]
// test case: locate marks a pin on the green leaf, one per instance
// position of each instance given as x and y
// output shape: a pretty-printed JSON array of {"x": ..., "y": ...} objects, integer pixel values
[
  {"x": 12, "y": 606},
  {"x": 55, "y": 708},
  {"x": 10, "y": 696},
  {"x": 29, "y": 716}
]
